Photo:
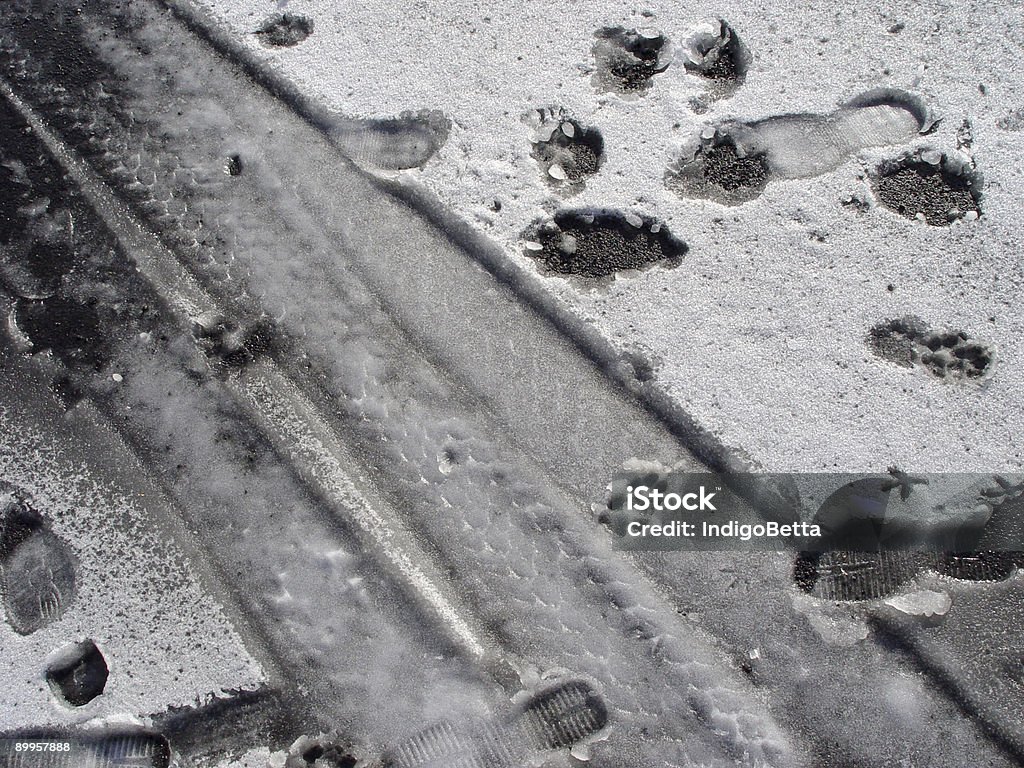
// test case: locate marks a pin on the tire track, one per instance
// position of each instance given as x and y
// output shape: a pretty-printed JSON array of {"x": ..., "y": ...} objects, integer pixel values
[
  {"x": 437, "y": 422},
  {"x": 275, "y": 402},
  {"x": 281, "y": 576},
  {"x": 563, "y": 591}
]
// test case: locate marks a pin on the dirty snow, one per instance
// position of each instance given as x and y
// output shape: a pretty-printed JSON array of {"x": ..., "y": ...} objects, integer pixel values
[{"x": 166, "y": 640}]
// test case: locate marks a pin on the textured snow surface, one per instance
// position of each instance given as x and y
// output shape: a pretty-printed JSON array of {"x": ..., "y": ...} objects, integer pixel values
[
  {"x": 539, "y": 576},
  {"x": 165, "y": 639},
  {"x": 721, "y": 662},
  {"x": 760, "y": 334},
  {"x": 254, "y": 758}
]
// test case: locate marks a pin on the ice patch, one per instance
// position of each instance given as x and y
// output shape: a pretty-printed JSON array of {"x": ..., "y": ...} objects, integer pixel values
[{"x": 924, "y": 602}]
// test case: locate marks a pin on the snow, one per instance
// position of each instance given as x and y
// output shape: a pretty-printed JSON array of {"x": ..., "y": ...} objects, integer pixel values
[
  {"x": 539, "y": 574},
  {"x": 924, "y": 602},
  {"x": 760, "y": 334},
  {"x": 139, "y": 596}
]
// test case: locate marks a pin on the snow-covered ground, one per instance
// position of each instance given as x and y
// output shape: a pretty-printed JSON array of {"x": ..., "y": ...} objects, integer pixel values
[
  {"x": 388, "y": 457},
  {"x": 761, "y": 332},
  {"x": 137, "y": 594}
]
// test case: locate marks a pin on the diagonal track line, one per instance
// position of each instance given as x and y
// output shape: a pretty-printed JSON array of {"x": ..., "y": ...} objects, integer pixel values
[
  {"x": 275, "y": 402},
  {"x": 514, "y": 544}
]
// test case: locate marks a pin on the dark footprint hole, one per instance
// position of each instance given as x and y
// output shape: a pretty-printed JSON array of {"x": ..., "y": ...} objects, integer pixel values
[
  {"x": 68, "y": 328},
  {"x": 313, "y": 754},
  {"x": 627, "y": 59},
  {"x": 571, "y": 153},
  {"x": 230, "y": 345},
  {"x": 717, "y": 54},
  {"x": 333, "y": 755},
  {"x": 592, "y": 243},
  {"x": 234, "y": 166},
  {"x": 285, "y": 30},
  {"x": 929, "y": 186},
  {"x": 909, "y": 341},
  {"x": 716, "y": 169},
  {"x": 79, "y": 674},
  {"x": 805, "y": 571}
]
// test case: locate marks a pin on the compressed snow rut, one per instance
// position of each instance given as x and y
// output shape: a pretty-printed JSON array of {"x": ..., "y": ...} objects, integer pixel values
[{"x": 291, "y": 242}]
